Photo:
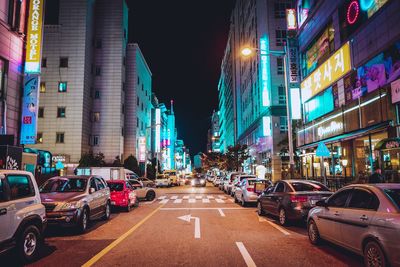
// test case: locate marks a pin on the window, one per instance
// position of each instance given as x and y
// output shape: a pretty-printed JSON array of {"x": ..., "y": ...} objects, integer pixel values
[
  {"x": 138, "y": 80},
  {"x": 94, "y": 140},
  {"x": 39, "y": 138},
  {"x": 339, "y": 199},
  {"x": 283, "y": 124},
  {"x": 363, "y": 199},
  {"x": 61, "y": 112},
  {"x": 51, "y": 18},
  {"x": 43, "y": 87},
  {"x": 394, "y": 196},
  {"x": 44, "y": 62},
  {"x": 98, "y": 71},
  {"x": 137, "y": 122},
  {"x": 280, "y": 9},
  {"x": 99, "y": 44},
  {"x": 280, "y": 37},
  {"x": 96, "y": 116},
  {"x": 20, "y": 186},
  {"x": 142, "y": 87},
  {"x": 138, "y": 101},
  {"x": 93, "y": 184},
  {"x": 279, "y": 66},
  {"x": 280, "y": 187},
  {"x": 62, "y": 87},
  {"x": 10, "y": 12},
  {"x": 282, "y": 95},
  {"x": 3, "y": 72},
  {"x": 63, "y": 62},
  {"x": 122, "y": 131},
  {"x": 41, "y": 112},
  {"x": 59, "y": 138},
  {"x": 100, "y": 184},
  {"x": 97, "y": 94},
  {"x": 123, "y": 108},
  {"x": 142, "y": 106}
]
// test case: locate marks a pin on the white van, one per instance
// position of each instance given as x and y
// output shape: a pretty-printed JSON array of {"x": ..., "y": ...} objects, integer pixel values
[{"x": 109, "y": 173}]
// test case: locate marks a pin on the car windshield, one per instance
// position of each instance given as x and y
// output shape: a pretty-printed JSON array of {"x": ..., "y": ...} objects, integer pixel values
[
  {"x": 161, "y": 177},
  {"x": 115, "y": 186},
  {"x": 252, "y": 182},
  {"x": 394, "y": 195},
  {"x": 64, "y": 185},
  {"x": 308, "y": 186},
  {"x": 246, "y": 177}
]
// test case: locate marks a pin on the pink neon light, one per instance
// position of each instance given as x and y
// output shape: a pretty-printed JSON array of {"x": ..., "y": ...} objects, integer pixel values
[{"x": 353, "y": 7}]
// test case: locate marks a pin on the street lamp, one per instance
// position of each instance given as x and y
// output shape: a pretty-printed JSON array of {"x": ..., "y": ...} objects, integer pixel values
[
  {"x": 344, "y": 163},
  {"x": 247, "y": 51}
]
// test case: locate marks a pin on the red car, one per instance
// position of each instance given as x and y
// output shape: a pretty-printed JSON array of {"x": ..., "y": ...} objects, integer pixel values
[{"x": 122, "y": 194}]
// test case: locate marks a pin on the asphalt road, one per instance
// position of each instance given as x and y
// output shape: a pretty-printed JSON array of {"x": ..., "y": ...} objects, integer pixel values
[{"x": 164, "y": 233}]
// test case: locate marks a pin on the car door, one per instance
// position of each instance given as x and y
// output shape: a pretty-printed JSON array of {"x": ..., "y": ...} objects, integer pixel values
[
  {"x": 329, "y": 218},
  {"x": 356, "y": 219},
  {"x": 276, "y": 197},
  {"x": 5, "y": 218},
  {"x": 95, "y": 198},
  {"x": 238, "y": 191},
  {"x": 102, "y": 192},
  {"x": 263, "y": 197},
  {"x": 139, "y": 189}
]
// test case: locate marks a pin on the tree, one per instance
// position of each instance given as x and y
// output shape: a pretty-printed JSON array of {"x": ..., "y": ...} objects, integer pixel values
[
  {"x": 117, "y": 162},
  {"x": 91, "y": 160},
  {"x": 236, "y": 155},
  {"x": 214, "y": 160},
  {"x": 132, "y": 164}
]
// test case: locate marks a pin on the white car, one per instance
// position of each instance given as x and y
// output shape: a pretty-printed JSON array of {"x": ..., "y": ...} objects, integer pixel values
[
  {"x": 229, "y": 183},
  {"x": 142, "y": 192},
  {"x": 163, "y": 180},
  {"x": 245, "y": 192},
  {"x": 22, "y": 215},
  {"x": 237, "y": 180}
]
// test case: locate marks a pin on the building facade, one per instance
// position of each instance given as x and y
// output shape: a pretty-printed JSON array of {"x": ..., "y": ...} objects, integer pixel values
[{"x": 350, "y": 52}]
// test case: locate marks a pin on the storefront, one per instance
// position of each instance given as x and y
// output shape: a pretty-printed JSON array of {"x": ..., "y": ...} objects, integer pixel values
[{"x": 387, "y": 153}]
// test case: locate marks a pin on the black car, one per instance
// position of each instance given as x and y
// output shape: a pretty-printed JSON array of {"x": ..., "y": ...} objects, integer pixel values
[
  {"x": 198, "y": 181},
  {"x": 291, "y": 199}
]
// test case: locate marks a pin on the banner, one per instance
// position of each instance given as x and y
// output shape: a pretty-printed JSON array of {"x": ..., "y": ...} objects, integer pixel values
[
  {"x": 30, "y": 102},
  {"x": 34, "y": 37},
  {"x": 142, "y": 149}
]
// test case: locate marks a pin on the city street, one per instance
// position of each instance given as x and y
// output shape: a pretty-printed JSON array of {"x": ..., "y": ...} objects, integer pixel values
[{"x": 164, "y": 232}]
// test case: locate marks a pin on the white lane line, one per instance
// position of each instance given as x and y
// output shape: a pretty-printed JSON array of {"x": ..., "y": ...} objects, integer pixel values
[
  {"x": 206, "y": 200},
  {"x": 210, "y": 197},
  {"x": 280, "y": 229},
  {"x": 245, "y": 254},
  {"x": 219, "y": 200},
  {"x": 162, "y": 197},
  {"x": 177, "y": 201},
  {"x": 222, "y": 197},
  {"x": 221, "y": 213},
  {"x": 174, "y": 197},
  {"x": 262, "y": 219},
  {"x": 185, "y": 197},
  {"x": 164, "y": 201},
  {"x": 192, "y": 200},
  {"x": 199, "y": 197}
]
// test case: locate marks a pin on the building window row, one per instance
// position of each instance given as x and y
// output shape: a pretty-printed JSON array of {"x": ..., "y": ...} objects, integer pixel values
[{"x": 62, "y": 87}]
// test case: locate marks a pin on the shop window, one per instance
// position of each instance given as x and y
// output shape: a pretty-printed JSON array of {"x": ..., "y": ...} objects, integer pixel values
[
  {"x": 62, "y": 87},
  {"x": 60, "y": 138},
  {"x": 39, "y": 138},
  {"x": 63, "y": 62},
  {"x": 61, "y": 112}
]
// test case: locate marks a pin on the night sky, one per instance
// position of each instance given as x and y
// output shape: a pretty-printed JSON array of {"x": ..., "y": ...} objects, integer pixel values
[{"x": 183, "y": 42}]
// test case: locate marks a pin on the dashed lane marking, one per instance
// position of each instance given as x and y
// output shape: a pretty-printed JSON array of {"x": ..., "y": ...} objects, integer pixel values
[
  {"x": 185, "y": 197},
  {"x": 178, "y": 201},
  {"x": 162, "y": 197},
  {"x": 199, "y": 197},
  {"x": 245, "y": 254},
  {"x": 210, "y": 197},
  {"x": 174, "y": 197},
  {"x": 192, "y": 200},
  {"x": 206, "y": 200},
  {"x": 219, "y": 200},
  {"x": 164, "y": 201}
]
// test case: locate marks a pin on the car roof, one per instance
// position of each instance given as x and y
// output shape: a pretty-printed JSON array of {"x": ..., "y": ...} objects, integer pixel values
[
  {"x": 75, "y": 177},
  {"x": 116, "y": 181},
  {"x": 15, "y": 172}
]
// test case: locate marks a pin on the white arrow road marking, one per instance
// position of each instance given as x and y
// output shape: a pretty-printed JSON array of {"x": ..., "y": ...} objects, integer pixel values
[
  {"x": 192, "y": 200},
  {"x": 177, "y": 201},
  {"x": 245, "y": 254},
  {"x": 164, "y": 201},
  {"x": 185, "y": 197},
  {"x": 174, "y": 197},
  {"x": 187, "y": 218},
  {"x": 199, "y": 197},
  {"x": 280, "y": 229},
  {"x": 206, "y": 200},
  {"x": 162, "y": 197},
  {"x": 219, "y": 200},
  {"x": 210, "y": 197},
  {"x": 221, "y": 213}
]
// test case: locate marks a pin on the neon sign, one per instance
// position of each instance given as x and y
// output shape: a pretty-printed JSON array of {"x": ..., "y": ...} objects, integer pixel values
[
  {"x": 291, "y": 19},
  {"x": 264, "y": 49},
  {"x": 34, "y": 37},
  {"x": 267, "y": 126},
  {"x": 353, "y": 11}
]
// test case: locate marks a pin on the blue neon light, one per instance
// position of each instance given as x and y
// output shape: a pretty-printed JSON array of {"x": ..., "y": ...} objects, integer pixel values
[
  {"x": 265, "y": 71},
  {"x": 366, "y": 4}
]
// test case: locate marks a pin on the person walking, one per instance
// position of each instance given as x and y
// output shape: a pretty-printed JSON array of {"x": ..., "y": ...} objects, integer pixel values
[{"x": 376, "y": 177}]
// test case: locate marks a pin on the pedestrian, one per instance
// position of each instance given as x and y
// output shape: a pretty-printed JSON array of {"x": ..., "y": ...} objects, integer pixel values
[{"x": 376, "y": 177}]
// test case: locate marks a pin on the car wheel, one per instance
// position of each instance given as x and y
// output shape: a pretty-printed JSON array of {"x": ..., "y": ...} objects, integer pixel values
[
  {"x": 374, "y": 255},
  {"x": 151, "y": 195},
  {"x": 244, "y": 203},
  {"x": 260, "y": 210},
  {"x": 107, "y": 211},
  {"x": 282, "y": 217},
  {"x": 83, "y": 222},
  {"x": 313, "y": 233},
  {"x": 137, "y": 203},
  {"x": 128, "y": 208},
  {"x": 236, "y": 200},
  {"x": 28, "y": 243}
]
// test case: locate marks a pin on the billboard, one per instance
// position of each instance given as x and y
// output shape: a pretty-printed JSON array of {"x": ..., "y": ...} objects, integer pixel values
[
  {"x": 34, "y": 37},
  {"x": 142, "y": 149},
  {"x": 30, "y": 102},
  {"x": 265, "y": 72}
]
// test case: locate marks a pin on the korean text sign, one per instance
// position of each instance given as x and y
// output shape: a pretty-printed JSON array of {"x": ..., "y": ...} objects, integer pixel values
[
  {"x": 30, "y": 102},
  {"x": 329, "y": 72},
  {"x": 34, "y": 37}
]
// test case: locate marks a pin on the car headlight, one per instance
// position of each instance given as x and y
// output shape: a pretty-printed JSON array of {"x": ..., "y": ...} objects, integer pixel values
[{"x": 71, "y": 205}]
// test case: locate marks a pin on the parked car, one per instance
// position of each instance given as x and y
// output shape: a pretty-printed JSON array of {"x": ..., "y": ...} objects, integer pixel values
[
  {"x": 222, "y": 182},
  {"x": 163, "y": 180},
  {"x": 198, "y": 181},
  {"x": 362, "y": 218},
  {"x": 73, "y": 201},
  {"x": 122, "y": 194},
  {"x": 141, "y": 191},
  {"x": 187, "y": 180},
  {"x": 22, "y": 216},
  {"x": 217, "y": 181},
  {"x": 245, "y": 192},
  {"x": 291, "y": 199},
  {"x": 237, "y": 181},
  {"x": 146, "y": 181},
  {"x": 172, "y": 176},
  {"x": 229, "y": 183}
]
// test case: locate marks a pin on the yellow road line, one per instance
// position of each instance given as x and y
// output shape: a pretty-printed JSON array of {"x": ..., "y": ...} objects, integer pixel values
[{"x": 119, "y": 240}]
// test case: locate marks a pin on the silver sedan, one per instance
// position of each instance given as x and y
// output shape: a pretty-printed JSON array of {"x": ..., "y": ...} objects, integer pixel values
[{"x": 362, "y": 218}]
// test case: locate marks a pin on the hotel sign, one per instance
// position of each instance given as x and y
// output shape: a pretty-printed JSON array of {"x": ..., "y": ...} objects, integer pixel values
[
  {"x": 34, "y": 37},
  {"x": 30, "y": 102},
  {"x": 142, "y": 149},
  {"x": 338, "y": 65}
]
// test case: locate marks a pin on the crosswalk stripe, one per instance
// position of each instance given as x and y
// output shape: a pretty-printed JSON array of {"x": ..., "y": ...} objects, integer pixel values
[
  {"x": 185, "y": 197},
  {"x": 206, "y": 200},
  {"x": 231, "y": 200},
  {"x": 174, "y": 197},
  {"x": 210, "y": 197},
  {"x": 222, "y": 197},
  {"x": 219, "y": 200},
  {"x": 164, "y": 201},
  {"x": 162, "y": 197},
  {"x": 177, "y": 201},
  {"x": 192, "y": 200},
  {"x": 199, "y": 197}
]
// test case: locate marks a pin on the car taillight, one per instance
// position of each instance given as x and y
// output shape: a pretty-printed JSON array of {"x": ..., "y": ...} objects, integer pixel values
[
  {"x": 250, "y": 189},
  {"x": 298, "y": 199}
]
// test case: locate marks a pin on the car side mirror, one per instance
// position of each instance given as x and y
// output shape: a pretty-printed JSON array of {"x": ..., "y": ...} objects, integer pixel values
[
  {"x": 322, "y": 203},
  {"x": 92, "y": 190}
]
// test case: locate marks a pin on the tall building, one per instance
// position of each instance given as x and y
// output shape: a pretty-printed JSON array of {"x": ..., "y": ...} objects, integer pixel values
[
  {"x": 12, "y": 29},
  {"x": 258, "y": 83},
  {"x": 171, "y": 138},
  {"x": 350, "y": 53},
  {"x": 214, "y": 144}
]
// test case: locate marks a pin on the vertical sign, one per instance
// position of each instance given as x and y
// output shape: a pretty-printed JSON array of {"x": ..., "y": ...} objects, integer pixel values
[
  {"x": 291, "y": 19},
  {"x": 264, "y": 51},
  {"x": 30, "y": 102},
  {"x": 142, "y": 149},
  {"x": 34, "y": 37},
  {"x": 158, "y": 131},
  {"x": 295, "y": 104},
  {"x": 293, "y": 65},
  {"x": 267, "y": 126}
]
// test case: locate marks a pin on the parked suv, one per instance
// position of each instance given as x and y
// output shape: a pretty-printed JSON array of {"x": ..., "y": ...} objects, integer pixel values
[
  {"x": 75, "y": 200},
  {"x": 22, "y": 216}
]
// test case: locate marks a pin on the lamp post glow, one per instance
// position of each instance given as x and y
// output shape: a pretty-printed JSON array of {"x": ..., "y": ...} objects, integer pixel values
[{"x": 247, "y": 51}]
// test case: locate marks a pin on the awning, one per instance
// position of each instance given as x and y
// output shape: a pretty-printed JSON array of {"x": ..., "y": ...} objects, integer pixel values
[
  {"x": 349, "y": 135},
  {"x": 388, "y": 143}
]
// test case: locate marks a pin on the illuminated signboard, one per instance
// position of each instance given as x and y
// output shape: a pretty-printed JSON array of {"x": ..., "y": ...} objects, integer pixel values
[
  {"x": 30, "y": 103},
  {"x": 265, "y": 73},
  {"x": 331, "y": 129},
  {"x": 158, "y": 131},
  {"x": 34, "y": 37},
  {"x": 295, "y": 104},
  {"x": 291, "y": 19},
  {"x": 142, "y": 149},
  {"x": 293, "y": 65},
  {"x": 267, "y": 126},
  {"x": 329, "y": 72}
]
